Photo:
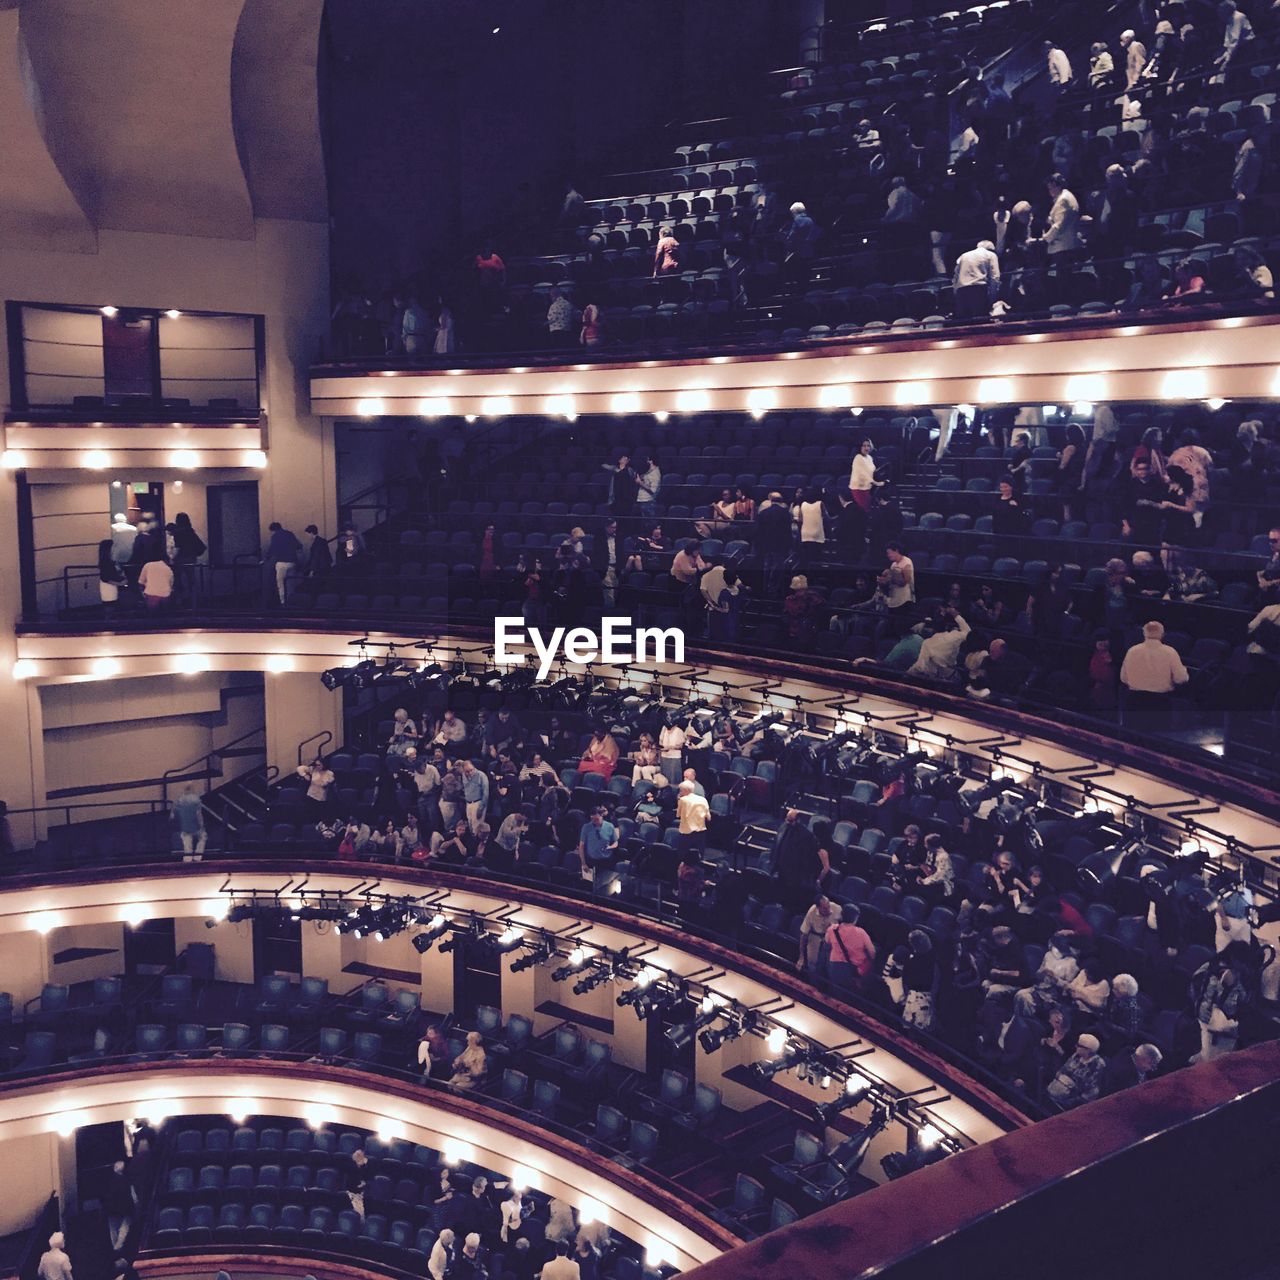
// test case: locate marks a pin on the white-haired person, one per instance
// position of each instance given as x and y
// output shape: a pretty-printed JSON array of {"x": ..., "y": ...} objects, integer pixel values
[
  {"x": 1128, "y": 1069},
  {"x": 1079, "y": 1079},
  {"x": 1151, "y": 671},
  {"x": 54, "y": 1263}
]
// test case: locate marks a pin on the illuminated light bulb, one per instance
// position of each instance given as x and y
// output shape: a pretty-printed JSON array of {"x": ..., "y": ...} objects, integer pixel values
[
  {"x": 1086, "y": 387},
  {"x": 911, "y": 393},
  {"x": 1215, "y": 403},
  {"x": 158, "y": 1110},
  {"x": 1275, "y": 384},
  {"x": 712, "y": 1001},
  {"x": 625, "y": 402},
  {"x": 371, "y": 407},
  {"x": 101, "y": 668},
  {"x": 318, "y": 1116},
  {"x": 776, "y": 1040},
  {"x": 217, "y": 908},
  {"x": 930, "y": 1136},
  {"x": 240, "y": 1109},
  {"x": 95, "y": 459},
  {"x": 522, "y": 1178},
  {"x": 173, "y": 314},
  {"x": 454, "y": 1152},
  {"x": 578, "y": 957},
  {"x": 856, "y": 1084},
  {"x": 24, "y": 669},
  {"x": 496, "y": 406},
  {"x": 693, "y": 400},
  {"x": 279, "y": 662},
  {"x": 177, "y": 486},
  {"x": 13, "y": 459},
  {"x": 509, "y": 937},
  {"x": 134, "y": 914},
  {"x": 43, "y": 921},
  {"x": 191, "y": 664},
  {"x": 589, "y": 1211},
  {"x": 470, "y": 417},
  {"x": 648, "y": 976},
  {"x": 836, "y": 396},
  {"x": 561, "y": 406},
  {"x": 1184, "y": 384},
  {"x": 109, "y": 311},
  {"x": 255, "y": 458},
  {"x": 389, "y": 1130},
  {"x": 761, "y": 400},
  {"x": 1082, "y": 409},
  {"x": 65, "y": 1123},
  {"x": 995, "y": 391},
  {"x": 433, "y": 407},
  {"x": 662, "y": 415},
  {"x": 657, "y": 1253}
]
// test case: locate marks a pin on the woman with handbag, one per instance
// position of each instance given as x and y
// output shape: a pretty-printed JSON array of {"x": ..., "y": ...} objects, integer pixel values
[{"x": 1221, "y": 999}]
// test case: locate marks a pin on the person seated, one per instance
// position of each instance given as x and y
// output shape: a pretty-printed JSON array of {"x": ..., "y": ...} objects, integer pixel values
[
  {"x": 649, "y": 552},
  {"x": 404, "y": 734},
  {"x": 647, "y": 763},
  {"x": 601, "y": 755},
  {"x": 1079, "y": 1079},
  {"x": 1089, "y": 991},
  {"x": 648, "y": 812},
  {"x": 471, "y": 1066},
  {"x": 457, "y": 847}
]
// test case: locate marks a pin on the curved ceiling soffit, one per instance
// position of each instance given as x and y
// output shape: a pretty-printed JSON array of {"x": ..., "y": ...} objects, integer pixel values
[
  {"x": 136, "y": 111},
  {"x": 275, "y": 103},
  {"x": 37, "y": 208}
]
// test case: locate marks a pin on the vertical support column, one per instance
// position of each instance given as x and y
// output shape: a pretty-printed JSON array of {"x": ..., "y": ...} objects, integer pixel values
[
  {"x": 437, "y": 980},
  {"x": 298, "y": 706},
  {"x": 630, "y": 1035}
]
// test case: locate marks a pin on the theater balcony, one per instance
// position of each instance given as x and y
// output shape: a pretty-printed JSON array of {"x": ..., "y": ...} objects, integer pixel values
[
  {"x": 103, "y": 387},
  {"x": 1170, "y": 356}
]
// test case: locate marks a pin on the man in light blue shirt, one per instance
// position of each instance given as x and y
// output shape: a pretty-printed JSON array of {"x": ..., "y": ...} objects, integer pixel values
[
  {"x": 475, "y": 793},
  {"x": 598, "y": 843},
  {"x": 188, "y": 813}
]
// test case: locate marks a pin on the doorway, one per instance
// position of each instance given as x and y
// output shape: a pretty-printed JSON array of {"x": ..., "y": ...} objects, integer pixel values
[
  {"x": 277, "y": 945},
  {"x": 233, "y": 522}
]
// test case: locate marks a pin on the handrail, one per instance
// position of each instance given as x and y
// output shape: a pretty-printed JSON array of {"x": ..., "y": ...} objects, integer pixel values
[
  {"x": 171, "y": 775},
  {"x": 323, "y": 738}
]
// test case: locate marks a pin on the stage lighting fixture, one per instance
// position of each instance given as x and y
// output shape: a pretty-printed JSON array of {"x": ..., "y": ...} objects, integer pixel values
[
  {"x": 335, "y": 677},
  {"x": 849, "y": 1155},
  {"x": 594, "y": 977},
  {"x": 363, "y": 674},
  {"x": 577, "y": 958},
  {"x": 1105, "y": 865},
  {"x": 241, "y": 911},
  {"x": 711, "y": 1008},
  {"x": 539, "y": 953},
  {"x": 795, "y": 1055},
  {"x": 508, "y": 940},
  {"x": 436, "y": 926},
  {"x": 855, "y": 1089}
]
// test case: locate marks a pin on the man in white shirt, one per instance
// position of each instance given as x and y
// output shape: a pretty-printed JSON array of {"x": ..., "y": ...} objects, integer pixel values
[
  {"x": 1151, "y": 671},
  {"x": 441, "y": 1255},
  {"x": 693, "y": 813},
  {"x": 1237, "y": 30},
  {"x": 561, "y": 1267},
  {"x": 54, "y": 1263},
  {"x": 940, "y": 652},
  {"x": 1059, "y": 66},
  {"x": 156, "y": 581},
  {"x": 1062, "y": 234},
  {"x": 976, "y": 281},
  {"x": 720, "y": 587},
  {"x": 1135, "y": 55}
]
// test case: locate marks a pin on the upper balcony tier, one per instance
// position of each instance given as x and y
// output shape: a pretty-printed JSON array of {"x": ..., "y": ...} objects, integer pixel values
[
  {"x": 93, "y": 384},
  {"x": 1170, "y": 356}
]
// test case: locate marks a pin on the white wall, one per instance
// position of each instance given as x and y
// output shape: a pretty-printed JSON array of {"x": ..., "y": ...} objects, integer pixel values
[
  {"x": 112, "y": 731},
  {"x": 107, "y": 938},
  {"x": 29, "y": 1175},
  {"x": 282, "y": 272},
  {"x": 23, "y": 966},
  {"x": 298, "y": 706}
]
